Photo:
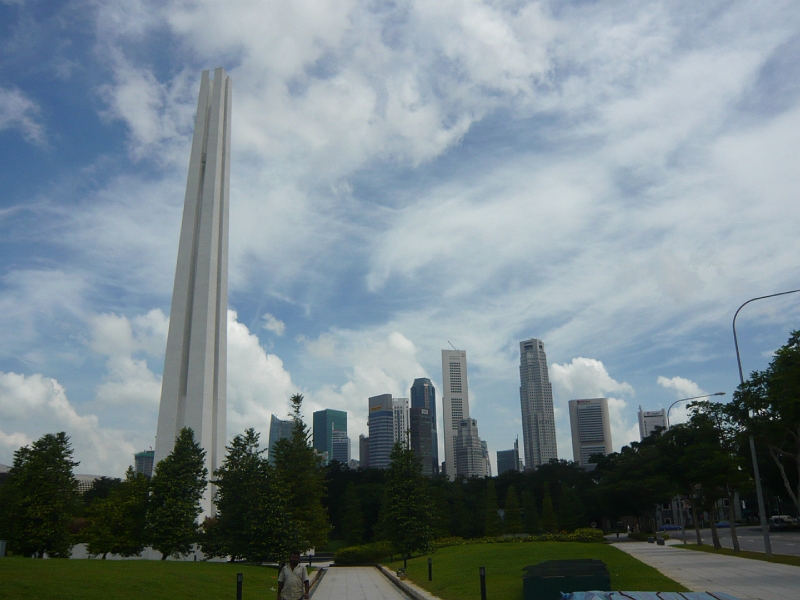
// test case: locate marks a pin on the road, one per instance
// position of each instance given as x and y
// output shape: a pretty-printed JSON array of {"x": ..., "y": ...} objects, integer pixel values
[{"x": 750, "y": 538}]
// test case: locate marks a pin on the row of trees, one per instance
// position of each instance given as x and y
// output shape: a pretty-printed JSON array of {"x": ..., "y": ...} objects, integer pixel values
[{"x": 263, "y": 509}]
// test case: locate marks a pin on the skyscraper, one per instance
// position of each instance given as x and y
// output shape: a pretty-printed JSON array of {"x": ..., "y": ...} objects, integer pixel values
[
  {"x": 455, "y": 402},
  {"x": 363, "y": 451},
  {"x": 340, "y": 447},
  {"x": 591, "y": 429},
  {"x": 420, "y": 419},
  {"x": 278, "y": 430},
  {"x": 327, "y": 421},
  {"x": 470, "y": 454},
  {"x": 143, "y": 462},
  {"x": 402, "y": 423},
  {"x": 193, "y": 390},
  {"x": 423, "y": 395},
  {"x": 649, "y": 420},
  {"x": 381, "y": 430},
  {"x": 508, "y": 460},
  {"x": 536, "y": 401}
]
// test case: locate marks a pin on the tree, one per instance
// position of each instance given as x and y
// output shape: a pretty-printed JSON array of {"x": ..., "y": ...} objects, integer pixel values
[
  {"x": 252, "y": 520},
  {"x": 407, "y": 507},
  {"x": 301, "y": 479},
  {"x": 548, "y": 520},
  {"x": 768, "y": 406},
  {"x": 459, "y": 515},
  {"x": 493, "y": 523},
  {"x": 529, "y": 513},
  {"x": 352, "y": 520},
  {"x": 117, "y": 522},
  {"x": 39, "y": 498},
  {"x": 176, "y": 490},
  {"x": 513, "y": 520}
]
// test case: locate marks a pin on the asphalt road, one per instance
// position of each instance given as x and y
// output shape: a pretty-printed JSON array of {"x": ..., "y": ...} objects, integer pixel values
[{"x": 750, "y": 538}]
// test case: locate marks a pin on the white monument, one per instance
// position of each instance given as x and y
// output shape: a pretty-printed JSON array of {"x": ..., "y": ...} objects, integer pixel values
[{"x": 195, "y": 366}]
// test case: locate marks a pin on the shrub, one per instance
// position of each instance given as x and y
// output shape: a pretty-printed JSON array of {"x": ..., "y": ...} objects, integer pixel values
[
  {"x": 365, "y": 554},
  {"x": 642, "y": 537},
  {"x": 591, "y": 533}
]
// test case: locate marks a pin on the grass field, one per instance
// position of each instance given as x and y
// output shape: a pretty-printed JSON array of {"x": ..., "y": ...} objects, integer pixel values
[
  {"x": 29, "y": 579},
  {"x": 783, "y": 559},
  {"x": 455, "y": 569}
]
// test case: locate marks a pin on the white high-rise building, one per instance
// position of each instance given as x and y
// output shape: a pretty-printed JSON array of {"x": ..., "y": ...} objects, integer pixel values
[
  {"x": 649, "y": 420},
  {"x": 402, "y": 419},
  {"x": 536, "y": 402},
  {"x": 455, "y": 403},
  {"x": 193, "y": 390},
  {"x": 591, "y": 429},
  {"x": 471, "y": 453}
]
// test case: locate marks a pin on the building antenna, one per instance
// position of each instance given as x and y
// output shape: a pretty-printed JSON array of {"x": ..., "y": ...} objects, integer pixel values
[{"x": 451, "y": 345}]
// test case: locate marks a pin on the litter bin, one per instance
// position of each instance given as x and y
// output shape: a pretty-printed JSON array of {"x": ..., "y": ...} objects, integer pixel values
[{"x": 547, "y": 580}]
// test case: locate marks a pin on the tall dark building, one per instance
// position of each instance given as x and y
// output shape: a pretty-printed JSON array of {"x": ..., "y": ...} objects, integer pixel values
[
  {"x": 325, "y": 423},
  {"x": 143, "y": 462},
  {"x": 508, "y": 460},
  {"x": 423, "y": 395},
  {"x": 363, "y": 451},
  {"x": 421, "y": 432}
]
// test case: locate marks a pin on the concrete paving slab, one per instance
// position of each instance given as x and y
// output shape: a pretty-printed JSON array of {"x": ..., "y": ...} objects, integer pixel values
[
  {"x": 742, "y": 578},
  {"x": 356, "y": 583}
]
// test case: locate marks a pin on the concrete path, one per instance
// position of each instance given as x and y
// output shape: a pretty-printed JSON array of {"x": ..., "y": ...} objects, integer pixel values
[
  {"x": 356, "y": 583},
  {"x": 704, "y": 572}
]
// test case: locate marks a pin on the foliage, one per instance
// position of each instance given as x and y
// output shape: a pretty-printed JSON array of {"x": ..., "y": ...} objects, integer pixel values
[
  {"x": 529, "y": 512},
  {"x": 101, "y": 488},
  {"x": 513, "y": 518},
  {"x": 252, "y": 518},
  {"x": 361, "y": 555},
  {"x": 548, "y": 519},
  {"x": 493, "y": 523},
  {"x": 39, "y": 498},
  {"x": 352, "y": 519},
  {"x": 407, "y": 508},
  {"x": 301, "y": 478},
  {"x": 117, "y": 522},
  {"x": 768, "y": 405},
  {"x": 176, "y": 490}
]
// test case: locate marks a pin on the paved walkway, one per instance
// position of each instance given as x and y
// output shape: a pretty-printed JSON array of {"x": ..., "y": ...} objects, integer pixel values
[
  {"x": 742, "y": 578},
  {"x": 356, "y": 583}
]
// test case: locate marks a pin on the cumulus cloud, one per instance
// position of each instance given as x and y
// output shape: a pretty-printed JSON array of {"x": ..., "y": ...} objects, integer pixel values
[
  {"x": 588, "y": 378},
  {"x": 683, "y": 388},
  {"x": 19, "y": 112},
  {"x": 31, "y": 406},
  {"x": 273, "y": 324}
]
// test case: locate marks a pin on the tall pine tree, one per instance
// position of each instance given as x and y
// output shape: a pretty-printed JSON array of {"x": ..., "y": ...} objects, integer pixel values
[
  {"x": 548, "y": 519},
  {"x": 530, "y": 515},
  {"x": 352, "y": 519},
  {"x": 301, "y": 479},
  {"x": 176, "y": 490},
  {"x": 252, "y": 521},
  {"x": 117, "y": 522},
  {"x": 407, "y": 509},
  {"x": 39, "y": 498},
  {"x": 513, "y": 521},
  {"x": 493, "y": 524}
]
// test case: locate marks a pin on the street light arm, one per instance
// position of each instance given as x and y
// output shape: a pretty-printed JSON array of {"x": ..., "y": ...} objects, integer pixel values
[
  {"x": 736, "y": 314},
  {"x": 692, "y": 398}
]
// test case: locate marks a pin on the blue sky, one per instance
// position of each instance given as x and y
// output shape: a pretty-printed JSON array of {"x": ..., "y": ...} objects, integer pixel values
[{"x": 614, "y": 179}]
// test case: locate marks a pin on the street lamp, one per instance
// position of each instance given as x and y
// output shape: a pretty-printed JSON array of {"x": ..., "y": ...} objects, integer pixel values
[
  {"x": 762, "y": 513},
  {"x": 692, "y": 398}
]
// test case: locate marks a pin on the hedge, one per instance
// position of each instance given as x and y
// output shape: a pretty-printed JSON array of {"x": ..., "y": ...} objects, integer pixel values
[{"x": 365, "y": 554}]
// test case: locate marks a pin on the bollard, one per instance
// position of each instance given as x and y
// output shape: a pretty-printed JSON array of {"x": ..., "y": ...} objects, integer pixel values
[
  {"x": 483, "y": 583},
  {"x": 430, "y": 569},
  {"x": 239, "y": 577}
]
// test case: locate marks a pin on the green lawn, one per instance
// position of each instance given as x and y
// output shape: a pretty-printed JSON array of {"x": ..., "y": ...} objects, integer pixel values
[
  {"x": 58, "y": 579},
  {"x": 783, "y": 559},
  {"x": 455, "y": 569}
]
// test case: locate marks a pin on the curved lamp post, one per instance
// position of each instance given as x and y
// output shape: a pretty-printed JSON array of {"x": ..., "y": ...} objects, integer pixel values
[
  {"x": 692, "y": 398},
  {"x": 762, "y": 513}
]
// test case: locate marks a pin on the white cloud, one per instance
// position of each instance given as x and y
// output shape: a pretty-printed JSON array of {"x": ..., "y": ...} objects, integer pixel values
[
  {"x": 273, "y": 324},
  {"x": 19, "y": 112},
  {"x": 588, "y": 378},
  {"x": 31, "y": 406},
  {"x": 683, "y": 388}
]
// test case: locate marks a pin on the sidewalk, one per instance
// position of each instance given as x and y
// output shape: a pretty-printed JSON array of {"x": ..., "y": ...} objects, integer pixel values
[
  {"x": 701, "y": 571},
  {"x": 356, "y": 583}
]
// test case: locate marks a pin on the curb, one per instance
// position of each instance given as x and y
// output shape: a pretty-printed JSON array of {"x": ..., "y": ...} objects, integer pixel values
[
  {"x": 410, "y": 589},
  {"x": 315, "y": 582}
]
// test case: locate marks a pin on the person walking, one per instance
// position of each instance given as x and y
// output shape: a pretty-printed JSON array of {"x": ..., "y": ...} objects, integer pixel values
[{"x": 293, "y": 579}]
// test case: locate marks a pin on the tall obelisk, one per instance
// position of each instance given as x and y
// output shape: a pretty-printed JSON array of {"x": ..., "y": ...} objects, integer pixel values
[{"x": 193, "y": 391}]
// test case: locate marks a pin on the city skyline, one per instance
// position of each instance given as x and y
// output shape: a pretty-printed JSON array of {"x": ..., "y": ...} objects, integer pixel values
[{"x": 614, "y": 181}]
